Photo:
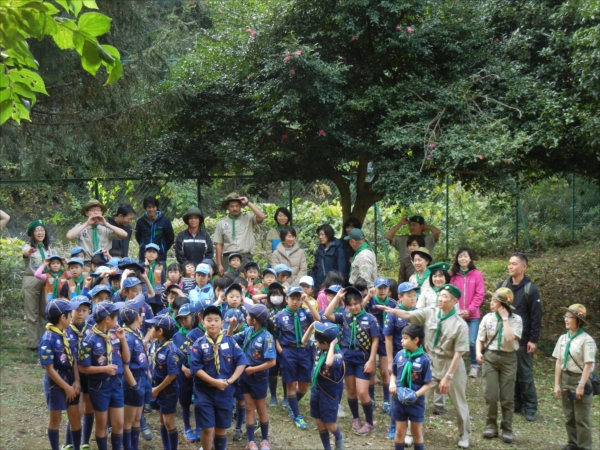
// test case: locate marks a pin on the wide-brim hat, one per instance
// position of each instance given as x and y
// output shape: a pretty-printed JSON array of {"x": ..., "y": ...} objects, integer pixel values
[
  {"x": 91, "y": 204},
  {"x": 505, "y": 296},
  {"x": 231, "y": 197},
  {"x": 423, "y": 252},
  {"x": 193, "y": 211},
  {"x": 33, "y": 225},
  {"x": 578, "y": 310}
]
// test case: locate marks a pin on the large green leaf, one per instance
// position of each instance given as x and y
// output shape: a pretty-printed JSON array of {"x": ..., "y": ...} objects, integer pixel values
[
  {"x": 63, "y": 37},
  {"x": 90, "y": 4},
  {"x": 64, "y": 4},
  {"x": 31, "y": 79},
  {"x": 93, "y": 23},
  {"x": 5, "y": 110},
  {"x": 90, "y": 57}
]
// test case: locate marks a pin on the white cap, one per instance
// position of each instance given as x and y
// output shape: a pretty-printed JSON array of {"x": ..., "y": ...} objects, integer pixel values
[{"x": 307, "y": 280}]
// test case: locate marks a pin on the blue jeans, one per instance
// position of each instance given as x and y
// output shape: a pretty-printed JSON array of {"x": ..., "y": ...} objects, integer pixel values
[{"x": 473, "y": 329}]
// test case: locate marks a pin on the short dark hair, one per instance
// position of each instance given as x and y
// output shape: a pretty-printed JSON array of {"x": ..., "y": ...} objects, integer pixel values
[
  {"x": 179, "y": 302},
  {"x": 328, "y": 230},
  {"x": 456, "y": 266},
  {"x": 285, "y": 212},
  {"x": 351, "y": 221},
  {"x": 287, "y": 230},
  {"x": 46, "y": 240},
  {"x": 414, "y": 238},
  {"x": 352, "y": 296},
  {"x": 361, "y": 284},
  {"x": 415, "y": 331},
  {"x": 125, "y": 210},
  {"x": 55, "y": 319},
  {"x": 211, "y": 313},
  {"x": 174, "y": 267},
  {"x": 228, "y": 278},
  {"x": 167, "y": 334},
  {"x": 98, "y": 260},
  {"x": 115, "y": 252},
  {"x": 242, "y": 281},
  {"x": 148, "y": 201},
  {"x": 221, "y": 283},
  {"x": 444, "y": 272},
  {"x": 521, "y": 256}
]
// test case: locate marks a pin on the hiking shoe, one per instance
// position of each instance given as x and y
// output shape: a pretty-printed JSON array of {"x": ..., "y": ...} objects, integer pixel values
[
  {"x": 341, "y": 413},
  {"x": 365, "y": 430},
  {"x": 507, "y": 437},
  {"x": 356, "y": 425},
  {"x": 67, "y": 447},
  {"x": 291, "y": 413},
  {"x": 392, "y": 431},
  {"x": 463, "y": 443},
  {"x": 273, "y": 401},
  {"x": 251, "y": 446},
  {"x": 300, "y": 423},
  {"x": 265, "y": 445},
  {"x": 285, "y": 402},
  {"x": 568, "y": 447},
  {"x": 474, "y": 372},
  {"x": 237, "y": 434},
  {"x": 386, "y": 407},
  {"x": 439, "y": 410},
  {"x": 85, "y": 447},
  {"x": 198, "y": 434},
  {"x": 190, "y": 436},
  {"x": 530, "y": 417},
  {"x": 146, "y": 433},
  {"x": 339, "y": 444},
  {"x": 490, "y": 433}
]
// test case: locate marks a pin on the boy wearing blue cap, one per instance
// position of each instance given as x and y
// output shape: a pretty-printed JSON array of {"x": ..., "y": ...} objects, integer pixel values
[
  {"x": 61, "y": 381},
  {"x": 132, "y": 289},
  {"x": 234, "y": 260},
  {"x": 165, "y": 367},
  {"x": 216, "y": 362},
  {"x": 290, "y": 326},
  {"x": 268, "y": 276},
  {"x": 203, "y": 291},
  {"x": 259, "y": 347},
  {"x": 101, "y": 357},
  {"x": 74, "y": 285},
  {"x": 283, "y": 273},
  {"x": 327, "y": 382},
  {"x": 378, "y": 295},
  {"x": 79, "y": 252}
]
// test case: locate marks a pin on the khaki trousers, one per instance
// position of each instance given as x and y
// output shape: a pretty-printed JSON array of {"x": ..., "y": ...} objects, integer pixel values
[
  {"x": 34, "y": 300},
  {"x": 499, "y": 376},
  {"x": 577, "y": 413}
]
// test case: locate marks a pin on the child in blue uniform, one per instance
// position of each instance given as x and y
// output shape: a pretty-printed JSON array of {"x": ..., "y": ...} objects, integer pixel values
[
  {"x": 203, "y": 290},
  {"x": 327, "y": 382},
  {"x": 411, "y": 370},
  {"x": 378, "y": 295},
  {"x": 101, "y": 357},
  {"x": 296, "y": 361},
  {"x": 259, "y": 347},
  {"x": 392, "y": 331},
  {"x": 165, "y": 367},
  {"x": 216, "y": 362},
  {"x": 268, "y": 276},
  {"x": 275, "y": 304},
  {"x": 360, "y": 342},
  {"x": 135, "y": 395},
  {"x": 132, "y": 289},
  {"x": 61, "y": 381}
]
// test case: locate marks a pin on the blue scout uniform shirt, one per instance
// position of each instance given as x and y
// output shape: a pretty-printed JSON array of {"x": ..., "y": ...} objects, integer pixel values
[
  {"x": 273, "y": 311},
  {"x": 52, "y": 351},
  {"x": 393, "y": 327},
  {"x": 341, "y": 327},
  {"x": 205, "y": 294},
  {"x": 260, "y": 349},
  {"x": 139, "y": 355},
  {"x": 366, "y": 328},
  {"x": 330, "y": 380},
  {"x": 195, "y": 334},
  {"x": 421, "y": 372},
  {"x": 164, "y": 361},
  {"x": 284, "y": 325},
  {"x": 92, "y": 352},
  {"x": 145, "y": 312},
  {"x": 203, "y": 358},
  {"x": 377, "y": 313},
  {"x": 75, "y": 336},
  {"x": 183, "y": 343},
  {"x": 239, "y": 313}
]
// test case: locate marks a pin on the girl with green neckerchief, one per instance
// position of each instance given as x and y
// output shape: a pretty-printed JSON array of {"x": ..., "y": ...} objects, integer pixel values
[
  {"x": 575, "y": 354},
  {"x": 54, "y": 276}
]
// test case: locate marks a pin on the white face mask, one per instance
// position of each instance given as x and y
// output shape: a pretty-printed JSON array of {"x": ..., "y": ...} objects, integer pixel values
[{"x": 277, "y": 299}]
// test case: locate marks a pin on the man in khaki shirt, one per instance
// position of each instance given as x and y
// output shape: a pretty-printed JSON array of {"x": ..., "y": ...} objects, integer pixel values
[
  {"x": 446, "y": 339},
  {"x": 235, "y": 232}
]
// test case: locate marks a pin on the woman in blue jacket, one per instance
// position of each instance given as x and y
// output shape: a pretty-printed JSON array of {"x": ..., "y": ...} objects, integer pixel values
[
  {"x": 330, "y": 256},
  {"x": 154, "y": 228}
]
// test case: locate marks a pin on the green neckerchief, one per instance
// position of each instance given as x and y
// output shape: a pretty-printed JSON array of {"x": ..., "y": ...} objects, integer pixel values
[
  {"x": 179, "y": 327},
  {"x": 321, "y": 358},
  {"x": 233, "y": 219},
  {"x": 40, "y": 246},
  {"x": 406, "y": 377},
  {"x": 56, "y": 276},
  {"x": 252, "y": 336},
  {"x": 78, "y": 284},
  {"x": 278, "y": 228},
  {"x": 425, "y": 276},
  {"x": 297, "y": 325},
  {"x": 151, "y": 271},
  {"x": 95, "y": 238},
  {"x": 464, "y": 272},
  {"x": 264, "y": 290},
  {"x": 500, "y": 328},
  {"x": 436, "y": 289},
  {"x": 364, "y": 246},
  {"x": 114, "y": 290},
  {"x": 404, "y": 308},
  {"x": 439, "y": 324},
  {"x": 385, "y": 302},
  {"x": 201, "y": 327},
  {"x": 353, "y": 328},
  {"x": 568, "y": 346}
]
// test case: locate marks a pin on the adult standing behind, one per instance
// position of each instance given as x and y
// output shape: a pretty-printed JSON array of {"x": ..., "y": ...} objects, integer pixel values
[
  {"x": 416, "y": 226},
  {"x": 364, "y": 261},
  {"x": 465, "y": 276},
  {"x": 330, "y": 255},
  {"x": 122, "y": 220},
  {"x": 575, "y": 353},
  {"x": 421, "y": 260},
  {"x": 154, "y": 228},
  {"x": 95, "y": 233},
  {"x": 283, "y": 218},
  {"x": 528, "y": 306},
  {"x": 34, "y": 299},
  {"x": 193, "y": 244},
  {"x": 349, "y": 224},
  {"x": 288, "y": 252},
  {"x": 4, "y": 219},
  {"x": 235, "y": 232}
]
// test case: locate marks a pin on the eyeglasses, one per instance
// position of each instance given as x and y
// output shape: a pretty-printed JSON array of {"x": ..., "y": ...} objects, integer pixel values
[{"x": 569, "y": 317}]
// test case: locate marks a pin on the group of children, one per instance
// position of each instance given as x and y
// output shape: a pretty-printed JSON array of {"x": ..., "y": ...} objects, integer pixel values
[{"x": 126, "y": 334}]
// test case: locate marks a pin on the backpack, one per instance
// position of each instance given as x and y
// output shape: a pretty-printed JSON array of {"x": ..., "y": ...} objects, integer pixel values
[{"x": 527, "y": 290}]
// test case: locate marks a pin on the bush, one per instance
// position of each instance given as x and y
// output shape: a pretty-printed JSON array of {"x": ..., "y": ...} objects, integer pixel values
[{"x": 11, "y": 276}]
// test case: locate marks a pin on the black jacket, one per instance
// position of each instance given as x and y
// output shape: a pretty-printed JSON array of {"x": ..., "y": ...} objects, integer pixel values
[
  {"x": 122, "y": 244},
  {"x": 159, "y": 232},
  {"x": 334, "y": 258},
  {"x": 194, "y": 249},
  {"x": 529, "y": 309}
]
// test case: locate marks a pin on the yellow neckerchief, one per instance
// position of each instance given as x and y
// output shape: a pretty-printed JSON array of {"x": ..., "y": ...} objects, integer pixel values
[
  {"x": 158, "y": 349},
  {"x": 138, "y": 334},
  {"x": 106, "y": 337},
  {"x": 63, "y": 335},
  {"x": 215, "y": 346},
  {"x": 77, "y": 330}
]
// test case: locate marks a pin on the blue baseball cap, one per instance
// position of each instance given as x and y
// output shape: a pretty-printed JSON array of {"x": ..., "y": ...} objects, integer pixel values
[
  {"x": 268, "y": 270},
  {"x": 203, "y": 268},
  {"x": 130, "y": 263},
  {"x": 81, "y": 300},
  {"x": 131, "y": 309},
  {"x": 100, "y": 251},
  {"x": 294, "y": 290},
  {"x": 209, "y": 261},
  {"x": 407, "y": 287},
  {"x": 100, "y": 270},
  {"x": 259, "y": 312},
  {"x": 105, "y": 309},
  {"x": 233, "y": 287},
  {"x": 152, "y": 247},
  {"x": 77, "y": 251},
  {"x": 54, "y": 256},
  {"x": 381, "y": 281},
  {"x": 326, "y": 331},
  {"x": 335, "y": 288},
  {"x": 234, "y": 255},
  {"x": 58, "y": 307},
  {"x": 130, "y": 282},
  {"x": 352, "y": 289},
  {"x": 281, "y": 268},
  {"x": 75, "y": 261},
  {"x": 100, "y": 288},
  {"x": 113, "y": 262},
  {"x": 185, "y": 310},
  {"x": 199, "y": 306},
  {"x": 165, "y": 322}
]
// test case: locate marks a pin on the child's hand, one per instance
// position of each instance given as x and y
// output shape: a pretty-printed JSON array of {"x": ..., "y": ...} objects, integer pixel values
[
  {"x": 70, "y": 393},
  {"x": 126, "y": 273},
  {"x": 334, "y": 342},
  {"x": 146, "y": 262},
  {"x": 77, "y": 387},
  {"x": 167, "y": 284},
  {"x": 370, "y": 366},
  {"x": 372, "y": 292},
  {"x": 88, "y": 282},
  {"x": 155, "y": 392},
  {"x": 46, "y": 261},
  {"x": 111, "y": 369},
  {"x": 304, "y": 297},
  {"x": 233, "y": 322},
  {"x": 393, "y": 389},
  {"x": 119, "y": 332},
  {"x": 64, "y": 261},
  {"x": 220, "y": 384}
]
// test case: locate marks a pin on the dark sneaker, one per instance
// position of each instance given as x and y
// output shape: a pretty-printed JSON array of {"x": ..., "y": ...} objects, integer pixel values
[
  {"x": 530, "y": 417},
  {"x": 438, "y": 410},
  {"x": 490, "y": 433},
  {"x": 507, "y": 437}
]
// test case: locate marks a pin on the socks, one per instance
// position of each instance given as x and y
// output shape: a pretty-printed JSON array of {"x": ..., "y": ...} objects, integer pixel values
[
  {"x": 420, "y": 446},
  {"x": 300, "y": 396},
  {"x": 368, "y": 409},
  {"x": 88, "y": 425},
  {"x": 386, "y": 393},
  {"x": 102, "y": 443},
  {"x": 220, "y": 442},
  {"x": 76, "y": 439},
  {"x": 173, "y": 438},
  {"x": 53, "y": 437},
  {"x": 338, "y": 434},
  {"x": 372, "y": 391},
  {"x": 164, "y": 437},
  {"x": 135, "y": 438},
  {"x": 324, "y": 435},
  {"x": 273, "y": 386},
  {"x": 293, "y": 401},
  {"x": 354, "y": 408},
  {"x": 185, "y": 416},
  {"x": 398, "y": 446},
  {"x": 116, "y": 441},
  {"x": 250, "y": 432},
  {"x": 240, "y": 417},
  {"x": 264, "y": 431},
  {"x": 126, "y": 439},
  {"x": 68, "y": 439}
]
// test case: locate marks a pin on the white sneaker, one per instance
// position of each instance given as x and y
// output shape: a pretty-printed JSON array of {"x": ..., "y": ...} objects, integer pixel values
[
  {"x": 408, "y": 441},
  {"x": 341, "y": 412},
  {"x": 474, "y": 373},
  {"x": 463, "y": 443}
]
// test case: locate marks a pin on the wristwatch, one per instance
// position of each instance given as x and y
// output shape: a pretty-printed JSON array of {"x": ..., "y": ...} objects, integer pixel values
[
  {"x": 450, "y": 375},
  {"x": 227, "y": 381}
]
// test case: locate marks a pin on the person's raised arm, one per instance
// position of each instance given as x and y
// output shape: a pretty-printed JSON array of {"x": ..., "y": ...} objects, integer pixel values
[
  {"x": 308, "y": 333},
  {"x": 74, "y": 232},
  {"x": 368, "y": 297},
  {"x": 311, "y": 308},
  {"x": 39, "y": 273},
  {"x": 331, "y": 353},
  {"x": 260, "y": 216},
  {"x": 434, "y": 231},
  {"x": 4, "y": 219},
  {"x": 395, "y": 311},
  {"x": 121, "y": 234},
  {"x": 329, "y": 311},
  {"x": 390, "y": 234},
  {"x": 148, "y": 283}
]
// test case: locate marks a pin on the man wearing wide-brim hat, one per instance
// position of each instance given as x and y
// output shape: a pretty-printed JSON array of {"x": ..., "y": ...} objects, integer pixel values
[
  {"x": 416, "y": 226},
  {"x": 193, "y": 244},
  {"x": 235, "y": 232},
  {"x": 95, "y": 233}
]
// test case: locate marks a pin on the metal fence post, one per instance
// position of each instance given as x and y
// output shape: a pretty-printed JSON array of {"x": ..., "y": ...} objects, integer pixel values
[
  {"x": 572, "y": 206},
  {"x": 517, "y": 220},
  {"x": 291, "y": 201},
  {"x": 447, "y": 216},
  {"x": 199, "y": 200}
]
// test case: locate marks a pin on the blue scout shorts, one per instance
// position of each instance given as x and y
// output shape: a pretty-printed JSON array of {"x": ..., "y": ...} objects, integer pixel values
[
  {"x": 56, "y": 399},
  {"x": 355, "y": 361},
  {"x": 136, "y": 396},
  {"x": 107, "y": 392},
  {"x": 402, "y": 413},
  {"x": 323, "y": 407},
  {"x": 256, "y": 384},
  {"x": 296, "y": 364},
  {"x": 166, "y": 401},
  {"x": 213, "y": 407},
  {"x": 186, "y": 389}
]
